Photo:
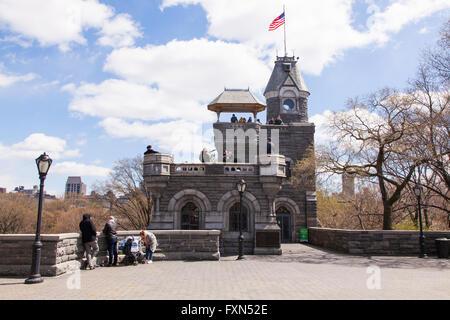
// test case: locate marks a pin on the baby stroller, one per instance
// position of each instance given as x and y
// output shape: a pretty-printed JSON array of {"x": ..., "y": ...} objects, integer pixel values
[{"x": 133, "y": 254}]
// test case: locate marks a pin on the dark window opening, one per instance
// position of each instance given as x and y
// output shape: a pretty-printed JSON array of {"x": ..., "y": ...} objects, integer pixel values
[
  {"x": 234, "y": 218},
  {"x": 190, "y": 217}
]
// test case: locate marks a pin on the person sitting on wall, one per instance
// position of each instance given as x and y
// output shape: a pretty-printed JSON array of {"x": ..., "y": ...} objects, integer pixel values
[
  {"x": 257, "y": 121},
  {"x": 150, "y": 150},
  {"x": 241, "y": 120},
  {"x": 278, "y": 121},
  {"x": 234, "y": 119},
  {"x": 249, "y": 120}
]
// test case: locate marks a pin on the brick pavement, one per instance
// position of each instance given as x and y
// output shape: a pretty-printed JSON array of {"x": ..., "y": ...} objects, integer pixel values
[{"x": 302, "y": 272}]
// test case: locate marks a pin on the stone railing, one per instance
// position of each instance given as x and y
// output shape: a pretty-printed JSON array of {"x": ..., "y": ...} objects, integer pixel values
[
  {"x": 375, "y": 242},
  {"x": 63, "y": 253}
]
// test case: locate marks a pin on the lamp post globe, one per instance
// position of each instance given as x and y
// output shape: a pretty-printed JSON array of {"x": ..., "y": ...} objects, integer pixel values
[
  {"x": 240, "y": 186},
  {"x": 418, "y": 189},
  {"x": 43, "y": 163}
]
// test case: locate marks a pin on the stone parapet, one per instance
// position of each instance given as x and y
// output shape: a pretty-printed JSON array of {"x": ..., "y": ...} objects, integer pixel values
[
  {"x": 375, "y": 242},
  {"x": 63, "y": 253}
]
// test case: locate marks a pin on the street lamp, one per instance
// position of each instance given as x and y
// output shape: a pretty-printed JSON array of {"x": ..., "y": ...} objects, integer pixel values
[
  {"x": 43, "y": 164},
  {"x": 418, "y": 192},
  {"x": 241, "y": 186}
]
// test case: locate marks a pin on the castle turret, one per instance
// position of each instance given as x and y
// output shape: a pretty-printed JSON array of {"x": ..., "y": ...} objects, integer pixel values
[{"x": 286, "y": 93}]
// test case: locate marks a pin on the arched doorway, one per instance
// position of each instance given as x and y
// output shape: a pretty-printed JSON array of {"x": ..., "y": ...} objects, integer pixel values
[
  {"x": 234, "y": 218},
  {"x": 284, "y": 222},
  {"x": 190, "y": 217}
]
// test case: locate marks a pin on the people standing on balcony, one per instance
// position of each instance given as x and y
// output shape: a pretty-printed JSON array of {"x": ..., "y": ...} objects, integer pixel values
[
  {"x": 234, "y": 119},
  {"x": 271, "y": 121},
  {"x": 89, "y": 239},
  {"x": 226, "y": 156},
  {"x": 110, "y": 231},
  {"x": 278, "y": 121},
  {"x": 249, "y": 120},
  {"x": 257, "y": 121},
  {"x": 150, "y": 150}
]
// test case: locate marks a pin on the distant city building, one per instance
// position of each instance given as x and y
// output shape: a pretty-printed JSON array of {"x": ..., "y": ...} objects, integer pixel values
[
  {"x": 30, "y": 192},
  {"x": 348, "y": 184},
  {"x": 34, "y": 192},
  {"x": 2, "y": 190},
  {"x": 75, "y": 187}
]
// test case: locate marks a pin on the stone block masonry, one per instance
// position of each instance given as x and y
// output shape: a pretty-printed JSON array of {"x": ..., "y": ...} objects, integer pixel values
[
  {"x": 375, "y": 242},
  {"x": 63, "y": 253}
]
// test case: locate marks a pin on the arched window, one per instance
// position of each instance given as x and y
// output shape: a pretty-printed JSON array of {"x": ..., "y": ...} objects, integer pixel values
[
  {"x": 288, "y": 104},
  {"x": 234, "y": 218},
  {"x": 190, "y": 217}
]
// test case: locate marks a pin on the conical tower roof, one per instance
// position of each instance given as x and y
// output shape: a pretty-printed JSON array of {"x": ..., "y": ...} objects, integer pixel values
[{"x": 285, "y": 67}]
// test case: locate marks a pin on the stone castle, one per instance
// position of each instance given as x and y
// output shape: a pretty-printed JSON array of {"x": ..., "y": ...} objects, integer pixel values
[{"x": 203, "y": 195}]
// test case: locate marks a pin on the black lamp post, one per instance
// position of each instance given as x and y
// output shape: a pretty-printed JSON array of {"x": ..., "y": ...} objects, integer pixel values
[
  {"x": 241, "y": 186},
  {"x": 43, "y": 163},
  {"x": 418, "y": 192}
]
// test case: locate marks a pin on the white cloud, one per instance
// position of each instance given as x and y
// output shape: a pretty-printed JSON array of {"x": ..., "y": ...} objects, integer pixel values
[
  {"x": 78, "y": 169},
  {"x": 119, "y": 32},
  {"x": 318, "y": 31},
  {"x": 7, "y": 80},
  {"x": 197, "y": 69},
  {"x": 18, "y": 40},
  {"x": 62, "y": 22},
  {"x": 180, "y": 137},
  {"x": 34, "y": 145},
  {"x": 123, "y": 99},
  {"x": 158, "y": 83}
]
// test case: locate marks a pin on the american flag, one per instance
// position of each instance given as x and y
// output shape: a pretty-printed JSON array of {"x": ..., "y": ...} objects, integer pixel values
[{"x": 279, "y": 21}]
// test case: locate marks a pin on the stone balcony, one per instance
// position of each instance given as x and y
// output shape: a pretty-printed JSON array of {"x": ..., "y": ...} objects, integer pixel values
[{"x": 161, "y": 165}]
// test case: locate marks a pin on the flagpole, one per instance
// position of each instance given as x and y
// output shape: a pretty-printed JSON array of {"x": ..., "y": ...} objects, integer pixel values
[{"x": 284, "y": 12}]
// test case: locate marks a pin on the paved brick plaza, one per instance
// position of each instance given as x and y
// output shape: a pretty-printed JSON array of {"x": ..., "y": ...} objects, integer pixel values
[{"x": 302, "y": 272}]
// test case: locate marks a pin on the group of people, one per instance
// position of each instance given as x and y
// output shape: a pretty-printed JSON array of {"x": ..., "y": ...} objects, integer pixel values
[
  {"x": 89, "y": 240},
  {"x": 234, "y": 119},
  {"x": 276, "y": 121}
]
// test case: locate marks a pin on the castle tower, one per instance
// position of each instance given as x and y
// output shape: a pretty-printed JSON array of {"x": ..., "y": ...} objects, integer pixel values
[
  {"x": 287, "y": 96},
  {"x": 286, "y": 92}
]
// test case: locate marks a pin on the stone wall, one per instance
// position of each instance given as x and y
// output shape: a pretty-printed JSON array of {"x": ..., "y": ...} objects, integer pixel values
[
  {"x": 375, "y": 242},
  {"x": 60, "y": 253},
  {"x": 63, "y": 253}
]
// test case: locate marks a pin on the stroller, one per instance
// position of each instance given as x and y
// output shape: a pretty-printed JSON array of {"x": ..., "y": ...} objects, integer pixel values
[{"x": 133, "y": 254}]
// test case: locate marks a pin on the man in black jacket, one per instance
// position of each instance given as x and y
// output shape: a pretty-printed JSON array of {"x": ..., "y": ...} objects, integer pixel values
[
  {"x": 110, "y": 234},
  {"x": 89, "y": 239}
]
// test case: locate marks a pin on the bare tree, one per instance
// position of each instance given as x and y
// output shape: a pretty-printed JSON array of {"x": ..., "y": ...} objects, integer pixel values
[
  {"x": 15, "y": 213},
  {"x": 128, "y": 195},
  {"x": 371, "y": 144},
  {"x": 438, "y": 59}
]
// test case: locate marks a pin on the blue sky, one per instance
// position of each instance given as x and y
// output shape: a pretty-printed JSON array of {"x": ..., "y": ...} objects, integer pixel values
[{"x": 92, "y": 82}]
